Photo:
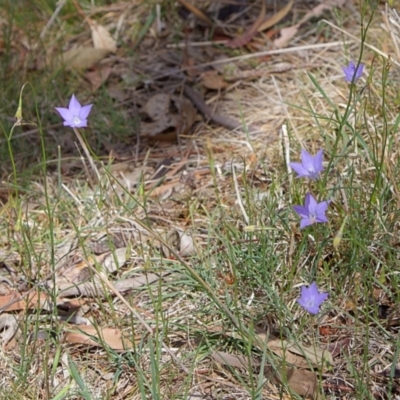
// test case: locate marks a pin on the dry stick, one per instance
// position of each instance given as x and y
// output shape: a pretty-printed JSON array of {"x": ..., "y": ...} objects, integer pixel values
[
  {"x": 227, "y": 122},
  {"x": 252, "y": 55},
  {"x": 50, "y": 22}
]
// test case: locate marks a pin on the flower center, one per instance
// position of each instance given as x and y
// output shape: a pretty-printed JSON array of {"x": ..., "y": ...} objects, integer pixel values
[{"x": 76, "y": 120}]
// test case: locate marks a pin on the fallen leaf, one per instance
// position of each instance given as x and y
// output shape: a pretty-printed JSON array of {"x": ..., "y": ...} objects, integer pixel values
[
  {"x": 82, "y": 57},
  {"x": 195, "y": 11},
  {"x": 97, "y": 290},
  {"x": 89, "y": 335},
  {"x": 149, "y": 129},
  {"x": 186, "y": 247},
  {"x": 19, "y": 301},
  {"x": 317, "y": 356},
  {"x": 157, "y": 106},
  {"x": 270, "y": 22},
  {"x": 287, "y": 33},
  {"x": 300, "y": 381},
  {"x": 337, "y": 347},
  {"x": 187, "y": 114},
  {"x": 99, "y": 76},
  {"x": 249, "y": 34},
  {"x": 101, "y": 37},
  {"x": 8, "y": 327},
  {"x": 157, "y": 109},
  {"x": 113, "y": 261},
  {"x": 237, "y": 361},
  {"x": 298, "y": 355},
  {"x": 212, "y": 80}
]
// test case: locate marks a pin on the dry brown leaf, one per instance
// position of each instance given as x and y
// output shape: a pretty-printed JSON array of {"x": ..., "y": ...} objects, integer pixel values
[
  {"x": 301, "y": 356},
  {"x": 128, "y": 174},
  {"x": 249, "y": 34},
  {"x": 112, "y": 337},
  {"x": 75, "y": 273},
  {"x": 187, "y": 114},
  {"x": 112, "y": 262},
  {"x": 287, "y": 33},
  {"x": 300, "y": 381},
  {"x": 270, "y": 22},
  {"x": 337, "y": 347},
  {"x": 97, "y": 290},
  {"x": 318, "y": 357},
  {"x": 99, "y": 76},
  {"x": 195, "y": 11},
  {"x": 157, "y": 106},
  {"x": 101, "y": 37},
  {"x": 17, "y": 301},
  {"x": 163, "y": 190},
  {"x": 212, "y": 80},
  {"x": 82, "y": 57},
  {"x": 148, "y": 129},
  {"x": 237, "y": 361},
  {"x": 157, "y": 109},
  {"x": 186, "y": 247},
  {"x": 8, "y": 327}
]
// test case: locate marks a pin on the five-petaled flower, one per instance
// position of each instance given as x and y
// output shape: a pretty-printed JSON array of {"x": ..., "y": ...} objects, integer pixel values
[
  {"x": 310, "y": 166},
  {"x": 353, "y": 73},
  {"x": 75, "y": 115},
  {"x": 312, "y": 212},
  {"x": 311, "y": 299}
]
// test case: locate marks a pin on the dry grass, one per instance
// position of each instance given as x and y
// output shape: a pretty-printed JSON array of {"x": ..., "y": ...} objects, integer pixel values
[{"x": 205, "y": 251}]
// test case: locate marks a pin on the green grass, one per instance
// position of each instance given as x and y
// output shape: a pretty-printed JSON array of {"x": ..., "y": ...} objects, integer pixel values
[{"x": 241, "y": 282}]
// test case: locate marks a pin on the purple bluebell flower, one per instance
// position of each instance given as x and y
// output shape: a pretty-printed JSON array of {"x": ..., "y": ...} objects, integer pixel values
[
  {"x": 353, "y": 73},
  {"x": 312, "y": 212},
  {"x": 310, "y": 166},
  {"x": 311, "y": 299},
  {"x": 75, "y": 115}
]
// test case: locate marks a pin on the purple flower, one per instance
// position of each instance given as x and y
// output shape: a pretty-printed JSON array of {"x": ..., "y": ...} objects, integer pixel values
[
  {"x": 75, "y": 115},
  {"x": 311, "y": 299},
  {"x": 351, "y": 73},
  {"x": 310, "y": 166},
  {"x": 312, "y": 212}
]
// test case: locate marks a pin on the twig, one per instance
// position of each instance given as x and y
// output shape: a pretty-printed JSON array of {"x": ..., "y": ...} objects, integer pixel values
[
  {"x": 252, "y": 55},
  {"x": 227, "y": 122}
]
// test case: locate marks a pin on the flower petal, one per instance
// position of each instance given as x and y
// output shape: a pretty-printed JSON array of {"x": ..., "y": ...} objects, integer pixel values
[
  {"x": 305, "y": 222},
  {"x": 307, "y": 160},
  {"x": 74, "y": 106},
  {"x": 311, "y": 204},
  {"x": 84, "y": 112},
  {"x": 301, "y": 210},
  {"x": 360, "y": 70},
  {"x": 65, "y": 113},
  {"x": 321, "y": 207},
  {"x": 318, "y": 161},
  {"x": 299, "y": 169}
]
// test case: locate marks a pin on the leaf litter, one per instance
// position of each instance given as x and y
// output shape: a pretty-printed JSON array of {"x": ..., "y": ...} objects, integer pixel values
[{"x": 138, "y": 266}]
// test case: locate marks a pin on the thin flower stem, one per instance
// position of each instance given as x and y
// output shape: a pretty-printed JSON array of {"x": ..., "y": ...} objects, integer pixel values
[{"x": 85, "y": 149}]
